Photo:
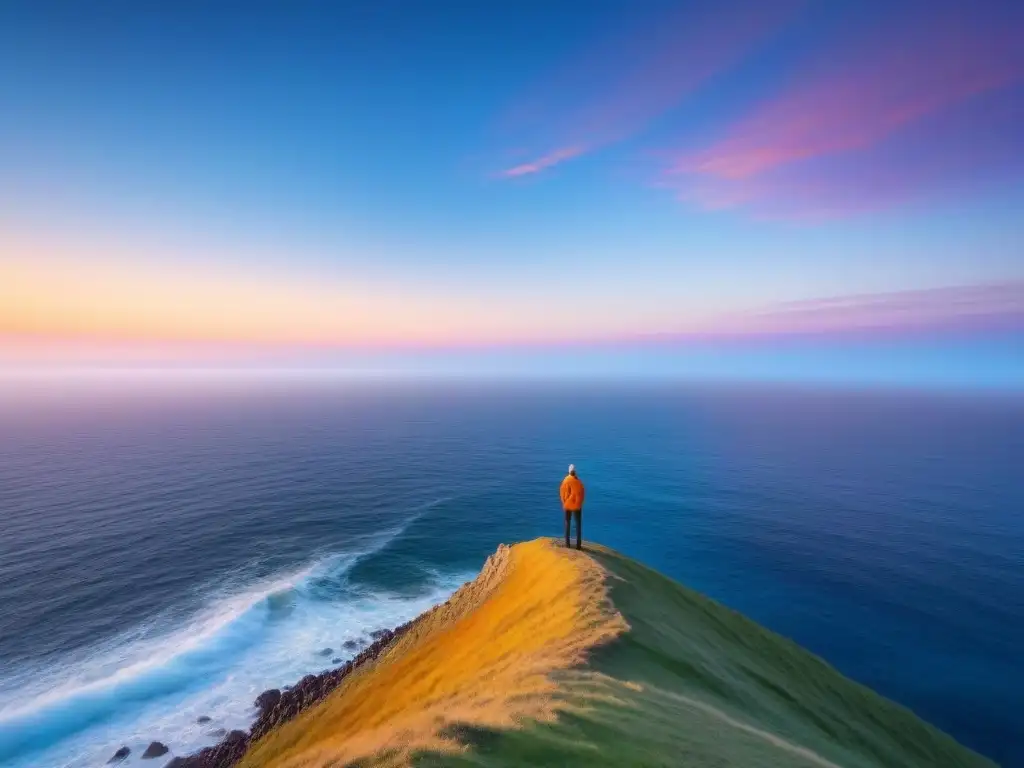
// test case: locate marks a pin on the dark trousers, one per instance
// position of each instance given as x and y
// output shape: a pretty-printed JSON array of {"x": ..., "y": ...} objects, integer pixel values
[{"x": 569, "y": 515}]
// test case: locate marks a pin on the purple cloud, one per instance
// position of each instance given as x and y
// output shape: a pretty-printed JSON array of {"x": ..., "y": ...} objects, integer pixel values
[
  {"x": 617, "y": 90},
  {"x": 930, "y": 102},
  {"x": 996, "y": 308}
]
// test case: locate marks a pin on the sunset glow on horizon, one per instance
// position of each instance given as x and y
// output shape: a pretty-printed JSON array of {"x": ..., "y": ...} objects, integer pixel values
[{"x": 194, "y": 185}]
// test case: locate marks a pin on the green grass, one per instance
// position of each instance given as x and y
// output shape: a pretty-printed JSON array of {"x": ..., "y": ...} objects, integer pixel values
[{"x": 714, "y": 689}]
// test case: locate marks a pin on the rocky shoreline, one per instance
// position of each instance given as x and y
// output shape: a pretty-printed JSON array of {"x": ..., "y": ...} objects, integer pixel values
[{"x": 279, "y": 706}]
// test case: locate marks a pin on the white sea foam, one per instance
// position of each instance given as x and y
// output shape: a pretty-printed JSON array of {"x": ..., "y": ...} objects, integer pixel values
[{"x": 142, "y": 687}]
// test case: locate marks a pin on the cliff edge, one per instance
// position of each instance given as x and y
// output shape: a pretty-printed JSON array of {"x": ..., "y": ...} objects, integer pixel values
[{"x": 558, "y": 657}]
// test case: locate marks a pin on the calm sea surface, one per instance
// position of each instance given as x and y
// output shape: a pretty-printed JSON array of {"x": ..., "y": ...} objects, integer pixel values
[{"x": 169, "y": 552}]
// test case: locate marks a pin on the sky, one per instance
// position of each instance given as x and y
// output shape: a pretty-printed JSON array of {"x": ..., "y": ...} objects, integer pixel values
[{"x": 768, "y": 190}]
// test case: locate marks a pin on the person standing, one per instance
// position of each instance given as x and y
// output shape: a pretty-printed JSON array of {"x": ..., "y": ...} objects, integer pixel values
[{"x": 572, "y": 502}]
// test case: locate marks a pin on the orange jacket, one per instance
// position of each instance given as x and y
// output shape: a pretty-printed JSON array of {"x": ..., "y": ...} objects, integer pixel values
[{"x": 572, "y": 493}]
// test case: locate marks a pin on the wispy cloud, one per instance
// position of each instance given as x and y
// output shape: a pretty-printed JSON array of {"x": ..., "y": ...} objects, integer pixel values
[
  {"x": 541, "y": 163},
  {"x": 616, "y": 91},
  {"x": 851, "y": 103},
  {"x": 986, "y": 308}
]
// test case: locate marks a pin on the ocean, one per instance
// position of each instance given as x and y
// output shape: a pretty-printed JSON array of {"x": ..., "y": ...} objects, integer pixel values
[{"x": 168, "y": 551}]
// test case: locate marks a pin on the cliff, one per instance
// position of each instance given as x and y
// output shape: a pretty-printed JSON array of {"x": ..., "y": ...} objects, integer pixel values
[{"x": 558, "y": 657}]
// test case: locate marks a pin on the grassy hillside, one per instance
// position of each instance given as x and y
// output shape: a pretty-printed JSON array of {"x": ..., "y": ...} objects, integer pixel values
[{"x": 557, "y": 657}]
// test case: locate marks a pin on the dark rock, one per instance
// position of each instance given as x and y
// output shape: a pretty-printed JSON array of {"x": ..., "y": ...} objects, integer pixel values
[
  {"x": 278, "y": 707},
  {"x": 218, "y": 732},
  {"x": 155, "y": 749},
  {"x": 350, "y": 645},
  {"x": 224, "y": 755},
  {"x": 120, "y": 755},
  {"x": 268, "y": 699},
  {"x": 202, "y": 719},
  {"x": 336, "y": 660},
  {"x": 326, "y": 652}
]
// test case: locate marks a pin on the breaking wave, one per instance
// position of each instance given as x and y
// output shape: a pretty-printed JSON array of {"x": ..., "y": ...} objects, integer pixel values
[{"x": 154, "y": 685}]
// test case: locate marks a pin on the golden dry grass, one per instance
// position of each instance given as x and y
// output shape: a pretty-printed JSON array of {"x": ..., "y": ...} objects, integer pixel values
[{"x": 484, "y": 658}]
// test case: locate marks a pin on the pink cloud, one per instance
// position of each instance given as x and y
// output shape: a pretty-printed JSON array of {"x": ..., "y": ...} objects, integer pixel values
[
  {"x": 849, "y": 104},
  {"x": 853, "y": 111},
  {"x": 994, "y": 308},
  {"x": 618, "y": 90},
  {"x": 541, "y": 163}
]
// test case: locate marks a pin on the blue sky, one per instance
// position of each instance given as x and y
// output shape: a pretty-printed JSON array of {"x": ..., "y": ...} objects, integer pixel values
[{"x": 491, "y": 174}]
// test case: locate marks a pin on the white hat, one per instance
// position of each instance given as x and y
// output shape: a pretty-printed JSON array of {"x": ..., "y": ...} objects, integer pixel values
[{"x": 572, "y": 468}]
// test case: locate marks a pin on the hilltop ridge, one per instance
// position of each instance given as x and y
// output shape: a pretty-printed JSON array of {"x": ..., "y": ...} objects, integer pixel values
[{"x": 554, "y": 656}]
